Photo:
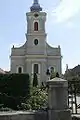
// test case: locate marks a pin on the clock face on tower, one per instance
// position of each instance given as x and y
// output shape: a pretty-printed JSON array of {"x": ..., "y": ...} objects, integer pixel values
[{"x": 36, "y": 42}]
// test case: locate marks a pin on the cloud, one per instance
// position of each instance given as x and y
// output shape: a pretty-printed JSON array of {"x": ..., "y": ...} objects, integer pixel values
[{"x": 66, "y": 9}]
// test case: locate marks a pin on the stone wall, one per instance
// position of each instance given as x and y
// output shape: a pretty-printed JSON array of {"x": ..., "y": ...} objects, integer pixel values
[{"x": 23, "y": 116}]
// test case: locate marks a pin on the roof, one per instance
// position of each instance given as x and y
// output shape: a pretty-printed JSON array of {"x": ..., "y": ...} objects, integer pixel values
[
  {"x": 36, "y": 6},
  {"x": 2, "y": 71}
]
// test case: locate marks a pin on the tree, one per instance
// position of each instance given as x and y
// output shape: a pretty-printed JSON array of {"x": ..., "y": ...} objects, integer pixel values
[{"x": 35, "y": 80}]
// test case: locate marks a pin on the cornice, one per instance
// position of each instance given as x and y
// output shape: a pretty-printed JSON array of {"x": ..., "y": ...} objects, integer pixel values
[{"x": 36, "y": 56}]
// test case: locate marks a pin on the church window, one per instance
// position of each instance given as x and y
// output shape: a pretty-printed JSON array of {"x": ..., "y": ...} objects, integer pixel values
[
  {"x": 36, "y": 41},
  {"x": 36, "y": 15},
  {"x": 35, "y": 68},
  {"x": 36, "y": 26},
  {"x": 20, "y": 70}
]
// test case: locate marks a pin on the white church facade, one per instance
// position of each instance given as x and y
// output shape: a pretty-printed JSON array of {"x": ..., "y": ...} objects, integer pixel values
[{"x": 36, "y": 55}]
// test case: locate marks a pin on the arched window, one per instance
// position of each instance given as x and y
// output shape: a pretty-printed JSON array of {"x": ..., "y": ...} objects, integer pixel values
[
  {"x": 35, "y": 68},
  {"x": 36, "y": 26},
  {"x": 20, "y": 70}
]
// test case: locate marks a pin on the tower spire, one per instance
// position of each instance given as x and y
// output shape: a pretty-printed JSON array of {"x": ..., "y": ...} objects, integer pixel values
[
  {"x": 36, "y": 6},
  {"x": 35, "y": 1}
]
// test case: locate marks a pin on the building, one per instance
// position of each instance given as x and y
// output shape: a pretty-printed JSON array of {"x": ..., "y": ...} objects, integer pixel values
[
  {"x": 36, "y": 55},
  {"x": 2, "y": 71}
]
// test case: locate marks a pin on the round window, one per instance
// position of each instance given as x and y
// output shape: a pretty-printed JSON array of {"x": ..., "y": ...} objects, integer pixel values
[
  {"x": 36, "y": 15},
  {"x": 36, "y": 41}
]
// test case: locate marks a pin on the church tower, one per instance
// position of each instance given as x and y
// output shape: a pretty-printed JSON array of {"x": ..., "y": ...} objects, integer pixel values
[
  {"x": 36, "y": 35},
  {"x": 36, "y": 55}
]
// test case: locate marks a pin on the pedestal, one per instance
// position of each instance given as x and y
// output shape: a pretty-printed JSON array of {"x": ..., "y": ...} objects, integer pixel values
[{"x": 57, "y": 99}]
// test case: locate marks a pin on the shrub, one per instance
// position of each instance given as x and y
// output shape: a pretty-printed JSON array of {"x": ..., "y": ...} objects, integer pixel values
[
  {"x": 38, "y": 100},
  {"x": 13, "y": 88}
]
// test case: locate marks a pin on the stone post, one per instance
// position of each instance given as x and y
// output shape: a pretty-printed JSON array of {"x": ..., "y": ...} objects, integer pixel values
[{"x": 57, "y": 99}]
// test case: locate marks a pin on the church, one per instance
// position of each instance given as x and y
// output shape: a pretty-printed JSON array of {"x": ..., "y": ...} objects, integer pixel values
[{"x": 36, "y": 55}]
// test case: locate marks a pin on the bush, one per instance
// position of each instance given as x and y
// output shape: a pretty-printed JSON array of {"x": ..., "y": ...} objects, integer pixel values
[
  {"x": 13, "y": 88},
  {"x": 38, "y": 100}
]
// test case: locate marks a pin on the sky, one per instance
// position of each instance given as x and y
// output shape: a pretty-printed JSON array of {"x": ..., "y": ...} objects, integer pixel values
[{"x": 62, "y": 27}]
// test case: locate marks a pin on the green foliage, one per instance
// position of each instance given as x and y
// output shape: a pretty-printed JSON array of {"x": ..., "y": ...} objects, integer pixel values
[
  {"x": 35, "y": 80},
  {"x": 74, "y": 86},
  {"x": 38, "y": 99},
  {"x": 13, "y": 88},
  {"x": 16, "y": 93}
]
